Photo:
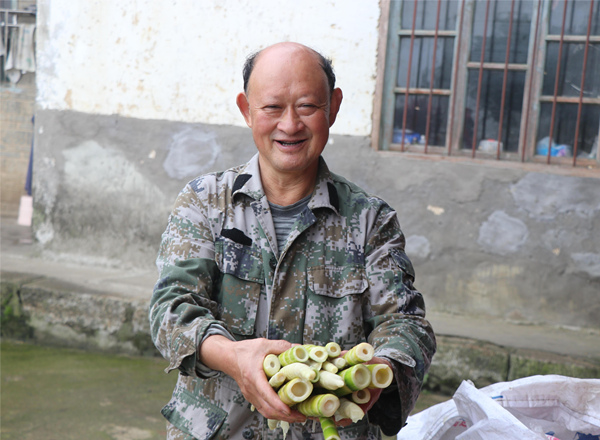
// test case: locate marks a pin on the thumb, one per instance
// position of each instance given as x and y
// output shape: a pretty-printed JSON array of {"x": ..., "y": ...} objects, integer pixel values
[{"x": 279, "y": 346}]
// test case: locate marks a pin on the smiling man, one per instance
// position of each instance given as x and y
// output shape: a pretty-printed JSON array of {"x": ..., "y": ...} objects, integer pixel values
[
  {"x": 281, "y": 251},
  {"x": 289, "y": 106}
]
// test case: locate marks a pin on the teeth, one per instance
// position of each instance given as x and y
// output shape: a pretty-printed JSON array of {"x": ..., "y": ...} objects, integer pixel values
[{"x": 289, "y": 143}]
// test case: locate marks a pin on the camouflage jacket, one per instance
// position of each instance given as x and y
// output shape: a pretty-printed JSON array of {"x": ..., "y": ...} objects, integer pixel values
[{"x": 343, "y": 276}]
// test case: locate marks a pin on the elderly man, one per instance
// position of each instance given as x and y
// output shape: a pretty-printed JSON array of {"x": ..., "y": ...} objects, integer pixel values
[{"x": 281, "y": 251}]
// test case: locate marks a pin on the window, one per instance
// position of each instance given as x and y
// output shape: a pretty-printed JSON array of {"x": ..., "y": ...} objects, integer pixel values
[{"x": 492, "y": 79}]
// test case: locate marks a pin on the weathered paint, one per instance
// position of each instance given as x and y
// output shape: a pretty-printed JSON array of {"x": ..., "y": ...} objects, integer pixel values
[
  {"x": 130, "y": 109},
  {"x": 484, "y": 240},
  {"x": 182, "y": 61}
]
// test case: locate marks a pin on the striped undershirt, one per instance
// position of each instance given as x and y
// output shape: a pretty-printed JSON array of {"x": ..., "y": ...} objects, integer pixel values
[{"x": 284, "y": 217}]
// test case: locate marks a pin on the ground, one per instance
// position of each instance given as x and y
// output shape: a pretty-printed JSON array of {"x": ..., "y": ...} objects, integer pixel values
[{"x": 64, "y": 394}]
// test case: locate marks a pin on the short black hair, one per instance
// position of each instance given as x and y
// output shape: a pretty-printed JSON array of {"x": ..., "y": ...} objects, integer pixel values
[{"x": 324, "y": 62}]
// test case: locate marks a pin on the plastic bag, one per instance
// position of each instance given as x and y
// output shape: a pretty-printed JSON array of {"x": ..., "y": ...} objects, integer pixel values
[{"x": 536, "y": 407}]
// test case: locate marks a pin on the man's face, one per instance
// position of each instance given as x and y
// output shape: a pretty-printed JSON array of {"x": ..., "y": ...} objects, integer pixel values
[{"x": 289, "y": 109}]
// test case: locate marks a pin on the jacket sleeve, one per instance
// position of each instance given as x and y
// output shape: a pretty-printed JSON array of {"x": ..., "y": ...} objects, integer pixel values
[
  {"x": 182, "y": 309},
  {"x": 395, "y": 321}
]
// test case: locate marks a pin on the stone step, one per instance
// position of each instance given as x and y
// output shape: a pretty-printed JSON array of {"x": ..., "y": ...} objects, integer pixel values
[{"x": 59, "y": 312}]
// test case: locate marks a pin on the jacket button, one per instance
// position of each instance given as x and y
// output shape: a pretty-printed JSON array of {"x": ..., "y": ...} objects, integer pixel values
[
  {"x": 273, "y": 263},
  {"x": 248, "y": 433}
]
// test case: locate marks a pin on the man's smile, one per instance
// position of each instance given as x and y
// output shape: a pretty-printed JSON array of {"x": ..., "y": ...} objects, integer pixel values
[{"x": 289, "y": 143}]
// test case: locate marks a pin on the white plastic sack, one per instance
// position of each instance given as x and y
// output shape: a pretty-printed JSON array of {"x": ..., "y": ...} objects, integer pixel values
[{"x": 537, "y": 407}]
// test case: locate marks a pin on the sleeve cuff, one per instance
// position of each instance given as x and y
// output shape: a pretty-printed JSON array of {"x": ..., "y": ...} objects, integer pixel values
[{"x": 214, "y": 329}]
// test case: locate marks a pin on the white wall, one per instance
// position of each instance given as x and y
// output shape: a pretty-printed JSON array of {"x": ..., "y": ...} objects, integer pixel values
[{"x": 181, "y": 60}]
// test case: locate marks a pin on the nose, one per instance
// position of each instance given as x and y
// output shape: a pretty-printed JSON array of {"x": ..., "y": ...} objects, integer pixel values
[{"x": 290, "y": 121}]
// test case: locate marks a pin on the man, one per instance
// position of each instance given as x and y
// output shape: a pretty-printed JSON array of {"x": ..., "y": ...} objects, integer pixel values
[{"x": 280, "y": 251}]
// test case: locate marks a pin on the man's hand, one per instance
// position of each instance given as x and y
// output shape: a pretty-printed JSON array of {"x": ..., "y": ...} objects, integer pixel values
[
  {"x": 243, "y": 361},
  {"x": 375, "y": 393}
]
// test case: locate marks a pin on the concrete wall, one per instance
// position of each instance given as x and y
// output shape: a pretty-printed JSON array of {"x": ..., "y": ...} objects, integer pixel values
[
  {"x": 182, "y": 61},
  {"x": 485, "y": 239}
]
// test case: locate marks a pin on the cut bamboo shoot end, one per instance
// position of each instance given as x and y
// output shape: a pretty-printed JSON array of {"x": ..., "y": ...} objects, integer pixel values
[
  {"x": 349, "y": 410},
  {"x": 360, "y": 353},
  {"x": 330, "y": 381},
  {"x": 314, "y": 364},
  {"x": 272, "y": 424},
  {"x": 298, "y": 369},
  {"x": 343, "y": 391},
  {"x": 329, "y": 367},
  {"x": 320, "y": 405},
  {"x": 361, "y": 396},
  {"x": 316, "y": 353},
  {"x": 381, "y": 375},
  {"x": 339, "y": 362},
  {"x": 278, "y": 379},
  {"x": 333, "y": 349},
  {"x": 356, "y": 377},
  {"x": 271, "y": 364},
  {"x": 317, "y": 377},
  {"x": 295, "y": 391},
  {"x": 295, "y": 354}
]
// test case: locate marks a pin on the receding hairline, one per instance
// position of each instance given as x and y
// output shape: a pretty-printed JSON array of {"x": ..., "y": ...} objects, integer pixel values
[{"x": 325, "y": 63}]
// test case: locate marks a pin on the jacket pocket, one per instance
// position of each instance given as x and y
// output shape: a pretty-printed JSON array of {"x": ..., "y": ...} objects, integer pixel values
[
  {"x": 194, "y": 415},
  {"x": 241, "y": 285},
  {"x": 334, "y": 305}
]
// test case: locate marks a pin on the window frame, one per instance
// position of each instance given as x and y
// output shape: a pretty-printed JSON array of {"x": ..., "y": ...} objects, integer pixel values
[{"x": 386, "y": 90}]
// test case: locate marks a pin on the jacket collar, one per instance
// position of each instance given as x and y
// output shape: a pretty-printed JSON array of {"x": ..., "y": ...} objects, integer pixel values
[{"x": 324, "y": 196}]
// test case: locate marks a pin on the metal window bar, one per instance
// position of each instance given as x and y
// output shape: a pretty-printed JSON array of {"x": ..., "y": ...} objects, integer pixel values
[
  {"x": 431, "y": 91},
  {"x": 503, "y": 100},
  {"x": 412, "y": 43},
  {"x": 435, "y": 39},
  {"x": 580, "y": 104},
  {"x": 524, "y": 148},
  {"x": 556, "y": 81},
  {"x": 476, "y": 122}
]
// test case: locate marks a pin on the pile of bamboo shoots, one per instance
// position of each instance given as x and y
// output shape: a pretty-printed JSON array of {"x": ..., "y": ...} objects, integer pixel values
[{"x": 320, "y": 382}]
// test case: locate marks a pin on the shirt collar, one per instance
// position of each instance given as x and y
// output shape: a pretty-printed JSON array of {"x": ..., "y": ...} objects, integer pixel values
[{"x": 325, "y": 194}]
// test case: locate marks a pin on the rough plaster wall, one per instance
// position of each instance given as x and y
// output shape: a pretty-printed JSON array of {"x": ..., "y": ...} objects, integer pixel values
[
  {"x": 136, "y": 99},
  {"x": 104, "y": 185},
  {"x": 489, "y": 241},
  {"x": 182, "y": 61}
]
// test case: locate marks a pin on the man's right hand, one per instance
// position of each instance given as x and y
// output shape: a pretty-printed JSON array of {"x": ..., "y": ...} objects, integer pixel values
[{"x": 243, "y": 361}]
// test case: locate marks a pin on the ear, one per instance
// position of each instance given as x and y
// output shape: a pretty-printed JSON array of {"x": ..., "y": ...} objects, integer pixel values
[
  {"x": 244, "y": 106},
  {"x": 334, "y": 106}
]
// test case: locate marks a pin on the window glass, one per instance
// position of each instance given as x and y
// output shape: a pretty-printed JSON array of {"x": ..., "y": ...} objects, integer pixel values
[
  {"x": 571, "y": 66},
  {"x": 420, "y": 69},
  {"x": 488, "y": 117},
  {"x": 475, "y": 107},
  {"x": 578, "y": 12},
  {"x": 497, "y": 31},
  {"x": 416, "y": 119},
  {"x": 426, "y": 14},
  {"x": 563, "y": 134}
]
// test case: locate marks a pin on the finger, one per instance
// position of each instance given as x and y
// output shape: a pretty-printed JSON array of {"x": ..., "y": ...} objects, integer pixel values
[
  {"x": 343, "y": 422},
  {"x": 278, "y": 346}
]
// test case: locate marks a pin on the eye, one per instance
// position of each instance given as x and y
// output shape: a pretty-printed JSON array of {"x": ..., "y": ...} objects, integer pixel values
[{"x": 307, "y": 109}]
